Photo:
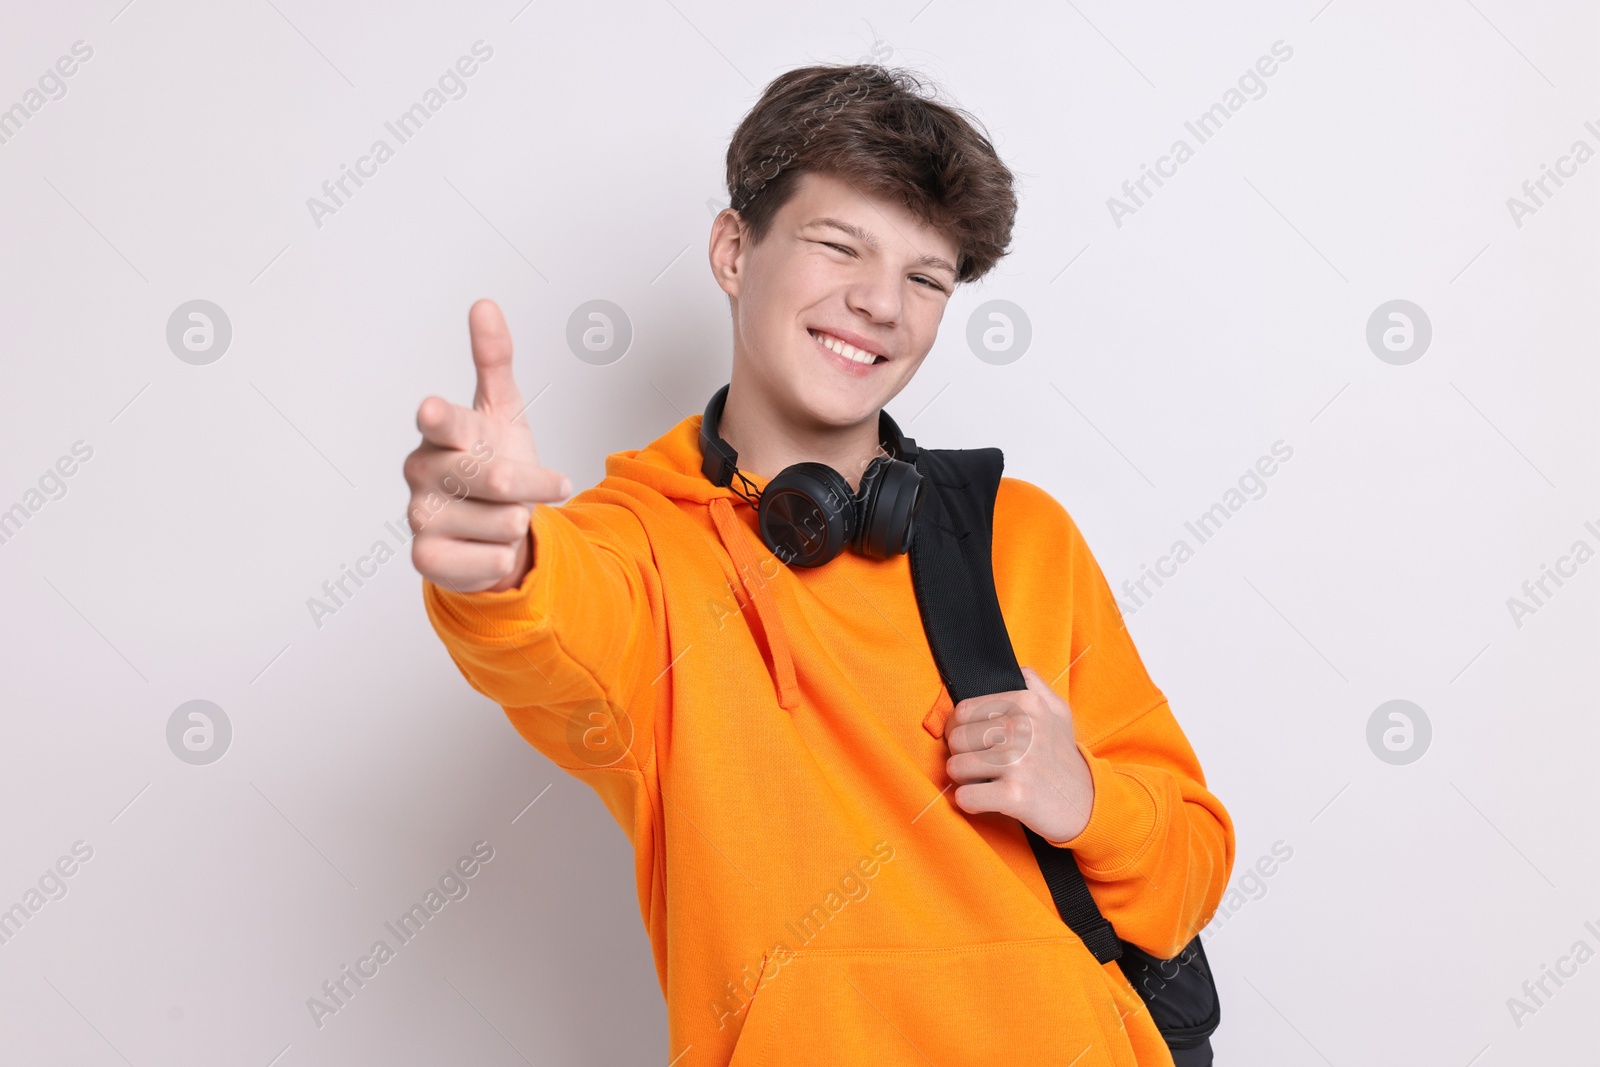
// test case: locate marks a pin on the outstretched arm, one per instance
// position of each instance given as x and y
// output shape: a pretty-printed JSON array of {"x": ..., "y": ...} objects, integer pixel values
[{"x": 548, "y": 611}]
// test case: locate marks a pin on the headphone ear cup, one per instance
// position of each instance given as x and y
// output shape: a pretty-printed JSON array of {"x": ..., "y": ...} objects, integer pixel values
[
  {"x": 888, "y": 510},
  {"x": 807, "y": 514}
]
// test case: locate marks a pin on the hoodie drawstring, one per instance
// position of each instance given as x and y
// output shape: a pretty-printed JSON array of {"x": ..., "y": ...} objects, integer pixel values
[{"x": 735, "y": 538}]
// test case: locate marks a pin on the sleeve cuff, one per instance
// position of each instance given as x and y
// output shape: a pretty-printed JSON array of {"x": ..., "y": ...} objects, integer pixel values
[{"x": 1122, "y": 820}]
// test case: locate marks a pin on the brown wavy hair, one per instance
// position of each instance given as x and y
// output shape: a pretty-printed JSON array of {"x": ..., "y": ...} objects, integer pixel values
[{"x": 882, "y": 130}]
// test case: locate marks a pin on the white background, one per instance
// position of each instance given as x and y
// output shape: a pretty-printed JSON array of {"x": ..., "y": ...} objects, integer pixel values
[{"x": 1167, "y": 355}]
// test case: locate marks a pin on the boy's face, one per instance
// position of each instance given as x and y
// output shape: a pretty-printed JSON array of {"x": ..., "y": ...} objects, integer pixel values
[{"x": 837, "y": 265}]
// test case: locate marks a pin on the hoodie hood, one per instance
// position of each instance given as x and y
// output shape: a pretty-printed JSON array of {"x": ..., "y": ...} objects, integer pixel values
[{"x": 671, "y": 466}]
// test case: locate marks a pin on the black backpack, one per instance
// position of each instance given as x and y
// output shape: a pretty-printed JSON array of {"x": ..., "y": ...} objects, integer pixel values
[{"x": 952, "y": 572}]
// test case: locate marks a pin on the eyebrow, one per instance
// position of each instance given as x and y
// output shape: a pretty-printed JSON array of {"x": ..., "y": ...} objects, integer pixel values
[{"x": 924, "y": 260}]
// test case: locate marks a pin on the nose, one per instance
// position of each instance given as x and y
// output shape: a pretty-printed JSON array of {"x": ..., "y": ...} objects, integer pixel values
[{"x": 877, "y": 296}]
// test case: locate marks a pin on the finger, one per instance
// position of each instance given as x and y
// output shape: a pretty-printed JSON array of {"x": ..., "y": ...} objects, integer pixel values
[
  {"x": 984, "y": 796},
  {"x": 443, "y": 471},
  {"x": 977, "y": 736},
  {"x": 972, "y": 767},
  {"x": 999, "y": 744},
  {"x": 439, "y": 475},
  {"x": 497, "y": 391},
  {"x": 503, "y": 480},
  {"x": 461, "y": 566},
  {"x": 472, "y": 520},
  {"x": 979, "y": 709},
  {"x": 449, "y": 425}
]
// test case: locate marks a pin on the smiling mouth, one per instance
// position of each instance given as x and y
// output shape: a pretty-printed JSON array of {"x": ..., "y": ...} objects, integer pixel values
[{"x": 850, "y": 352}]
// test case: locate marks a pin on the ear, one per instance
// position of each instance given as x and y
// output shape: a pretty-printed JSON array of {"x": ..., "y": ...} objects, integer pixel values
[{"x": 726, "y": 252}]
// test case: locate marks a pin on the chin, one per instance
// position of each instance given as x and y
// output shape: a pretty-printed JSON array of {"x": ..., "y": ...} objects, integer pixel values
[
  {"x": 838, "y": 392},
  {"x": 840, "y": 414},
  {"x": 835, "y": 400}
]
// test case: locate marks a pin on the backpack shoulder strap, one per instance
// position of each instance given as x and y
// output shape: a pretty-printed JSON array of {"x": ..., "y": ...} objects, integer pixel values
[{"x": 953, "y": 574}]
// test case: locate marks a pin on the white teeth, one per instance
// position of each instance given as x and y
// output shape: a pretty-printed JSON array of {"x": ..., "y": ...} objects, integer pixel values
[{"x": 850, "y": 352}]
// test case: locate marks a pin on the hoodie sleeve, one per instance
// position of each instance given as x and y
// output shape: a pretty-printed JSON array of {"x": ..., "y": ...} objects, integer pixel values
[
  {"x": 570, "y": 653},
  {"x": 1159, "y": 846}
]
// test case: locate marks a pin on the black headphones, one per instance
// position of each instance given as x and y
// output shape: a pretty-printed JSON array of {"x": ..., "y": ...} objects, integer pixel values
[{"x": 807, "y": 513}]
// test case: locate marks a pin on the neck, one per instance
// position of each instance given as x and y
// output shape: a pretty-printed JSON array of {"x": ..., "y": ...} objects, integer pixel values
[{"x": 769, "y": 437}]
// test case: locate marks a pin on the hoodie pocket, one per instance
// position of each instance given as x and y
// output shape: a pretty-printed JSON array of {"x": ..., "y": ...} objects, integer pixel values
[{"x": 1012, "y": 1002}]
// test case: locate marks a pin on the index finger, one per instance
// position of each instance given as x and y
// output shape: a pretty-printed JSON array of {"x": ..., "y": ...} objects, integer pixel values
[
  {"x": 977, "y": 709},
  {"x": 449, "y": 425}
]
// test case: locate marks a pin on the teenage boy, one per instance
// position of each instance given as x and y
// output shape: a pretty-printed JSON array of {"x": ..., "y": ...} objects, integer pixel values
[{"x": 829, "y": 857}]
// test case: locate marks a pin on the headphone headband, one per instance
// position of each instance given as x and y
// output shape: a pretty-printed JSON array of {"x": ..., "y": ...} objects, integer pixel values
[
  {"x": 719, "y": 461},
  {"x": 807, "y": 513}
]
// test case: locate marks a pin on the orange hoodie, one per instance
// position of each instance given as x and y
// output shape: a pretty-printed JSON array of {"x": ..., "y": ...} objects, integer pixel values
[{"x": 770, "y": 740}]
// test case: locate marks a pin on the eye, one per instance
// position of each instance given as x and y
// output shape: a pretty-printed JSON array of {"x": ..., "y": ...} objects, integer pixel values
[{"x": 921, "y": 279}]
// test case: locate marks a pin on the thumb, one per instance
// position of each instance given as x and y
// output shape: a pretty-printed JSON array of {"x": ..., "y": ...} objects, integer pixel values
[
  {"x": 497, "y": 392},
  {"x": 1041, "y": 689}
]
